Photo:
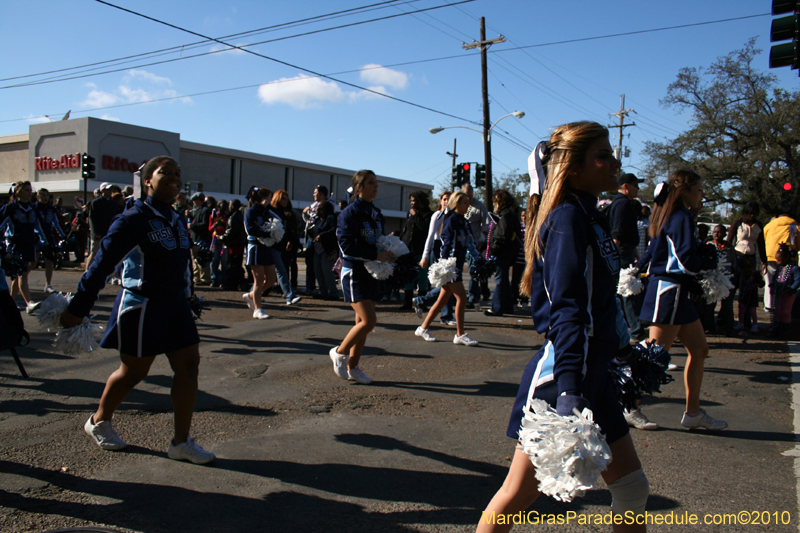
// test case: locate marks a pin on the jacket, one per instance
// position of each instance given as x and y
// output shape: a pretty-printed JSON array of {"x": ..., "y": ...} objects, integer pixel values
[
  {"x": 357, "y": 231},
  {"x": 415, "y": 232},
  {"x": 622, "y": 218},
  {"x": 675, "y": 252},
  {"x": 505, "y": 236},
  {"x": 19, "y": 224},
  {"x": 457, "y": 238}
]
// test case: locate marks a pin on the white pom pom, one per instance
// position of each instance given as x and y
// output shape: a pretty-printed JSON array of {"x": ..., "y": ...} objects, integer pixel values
[
  {"x": 569, "y": 452},
  {"x": 52, "y": 308},
  {"x": 443, "y": 272},
  {"x": 275, "y": 228},
  {"x": 379, "y": 269},
  {"x": 629, "y": 282},
  {"x": 78, "y": 339},
  {"x": 393, "y": 245},
  {"x": 716, "y": 285}
]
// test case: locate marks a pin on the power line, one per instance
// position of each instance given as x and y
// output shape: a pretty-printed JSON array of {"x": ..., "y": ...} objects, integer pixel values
[{"x": 285, "y": 63}]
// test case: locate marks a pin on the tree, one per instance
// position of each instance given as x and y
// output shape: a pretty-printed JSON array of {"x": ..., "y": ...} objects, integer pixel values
[{"x": 744, "y": 133}]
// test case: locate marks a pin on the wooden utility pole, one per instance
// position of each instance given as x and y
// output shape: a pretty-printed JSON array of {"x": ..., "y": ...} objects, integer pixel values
[
  {"x": 487, "y": 140},
  {"x": 621, "y": 114}
]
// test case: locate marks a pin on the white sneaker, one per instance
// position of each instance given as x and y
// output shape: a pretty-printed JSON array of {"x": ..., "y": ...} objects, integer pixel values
[
  {"x": 260, "y": 314},
  {"x": 189, "y": 451},
  {"x": 702, "y": 420},
  {"x": 449, "y": 322},
  {"x": 104, "y": 435},
  {"x": 248, "y": 300},
  {"x": 671, "y": 367},
  {"x": 637, "y": 419},
  {"x": 424, "y": 334},
  {"x": 339, "y": 362},
  {"x": 293, "y": 300},
  {"x": 465, "y": 340},
  {"x": 49, "y": 289},
  {"x": 32, "y": 307},
  {"x": 358, "y": 375},
  {"x": 754, "y": 329}
]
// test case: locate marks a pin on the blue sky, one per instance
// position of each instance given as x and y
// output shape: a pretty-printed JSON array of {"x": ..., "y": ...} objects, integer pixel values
[{"x": 282, "y": 111}]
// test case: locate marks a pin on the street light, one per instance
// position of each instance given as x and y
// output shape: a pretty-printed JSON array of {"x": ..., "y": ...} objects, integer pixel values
[{"x": 487, "y": 141}]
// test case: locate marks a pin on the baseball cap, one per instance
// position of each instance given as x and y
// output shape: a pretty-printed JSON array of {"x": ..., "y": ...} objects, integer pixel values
[
  {"x": 198, "y": 196},
  {"x": 105, "y": 185},
  {"x": 628, "y": 178}
]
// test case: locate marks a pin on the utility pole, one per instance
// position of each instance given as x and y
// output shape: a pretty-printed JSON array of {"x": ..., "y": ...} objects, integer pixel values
[
  {"x": 454, "y": 155},
  {"x": 487, "y": 140},
  {"x": 622, "y": 114}
]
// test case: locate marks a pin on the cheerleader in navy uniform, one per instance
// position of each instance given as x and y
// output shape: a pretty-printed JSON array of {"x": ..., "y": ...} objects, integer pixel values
[
  {"x": 675, "y": 260},
  {"x": 456, "y": 242},
  {"x": 151, "y": 314},
  {"x": 259, "y": 257},
  {"x": 20, "y": 227},
  {"x": 571, "y": 267},
  {"x": 358, "y": 229},
  {"x": 51, "y": 224}
]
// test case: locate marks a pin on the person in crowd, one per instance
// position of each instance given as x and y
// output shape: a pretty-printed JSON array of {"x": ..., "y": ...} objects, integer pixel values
[
  {"x": 151, "y": 314},
  {"x": 414, "y": 235},
  {"x": 23, "y": 232},
  {"x": 218, "y": 225},
  {"x": 456, "y": 242},
  {"x": 643, "y": 225},
  {"x": 119, "y": 199},
  {"x": 182, "y": 205},
  {"x": 80, "y": 230},
  {"x": 622, "y": 216},
  {"x": 784, "y": 287},
  {"x": 746, "y": 237},
  {"x": 726, "y": 262},
  {"x": 781, "y": 229},
  {"x": 358, "y": 228},
  {"x": 201, "y": 236},
  {"x": 478, "y": 218},
  {"x": 235, "y": 239},
  {"x": 675, "y": 261},
  {"x": 259, "y": 256},
  {"x": 291, "y": 239},
  {"x": 102, "y": 211},
  {"x": 504, "y": 245},
  {"x": 279, "y": 248},
  {"x": 50, "y": 221},
  {"x": 309, "y": 217},
  {"x": 326, "y": 250},
  {"x": 518, "y": 268},
  {"x": 570, "y": 276},
  {"x": 431, "y": 254}
]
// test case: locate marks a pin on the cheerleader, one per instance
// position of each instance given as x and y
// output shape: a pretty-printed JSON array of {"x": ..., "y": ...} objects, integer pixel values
[
  {"x": 51, "y": 224},
  {"x": 259, "y": 257},
  {"x": 675, "y": 261},
  {"x": 456, "y": 242},
  {"x": 151, "y": 314},
  {"x": 571, "y": 266},
  {"x": 433, "y": 247},
  {"x": 358, "y": 229},
  {"x": 20, "y": 227}
]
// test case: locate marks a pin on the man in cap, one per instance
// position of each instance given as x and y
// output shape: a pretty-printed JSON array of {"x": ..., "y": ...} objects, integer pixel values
[
  {"x": 200, "y": 220},
  {"x": 102, "y": 211}
]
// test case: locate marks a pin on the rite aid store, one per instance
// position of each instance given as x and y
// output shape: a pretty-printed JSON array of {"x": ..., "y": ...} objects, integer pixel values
[{"x": 49, "y": 156}]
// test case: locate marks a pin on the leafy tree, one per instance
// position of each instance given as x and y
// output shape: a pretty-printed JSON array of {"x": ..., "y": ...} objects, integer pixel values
[{"x": 744, "y": 132}]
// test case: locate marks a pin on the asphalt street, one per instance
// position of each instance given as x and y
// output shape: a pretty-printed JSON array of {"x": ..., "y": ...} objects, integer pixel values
[{"x": 421, "y": 449}]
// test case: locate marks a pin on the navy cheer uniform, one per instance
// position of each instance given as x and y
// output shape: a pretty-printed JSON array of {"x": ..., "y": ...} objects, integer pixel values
[
  {"x": 674, "y": 262},
  {"x": 20, "y": 228},
  {"x": 257, "y": 253},
  {"x": 358, "y": 229},
  {"x": 151, "y": 314},
  {"x": 457, "y": 241},
  {"x": 50, "y": 222},
  {"x": 573, "y": 301}
]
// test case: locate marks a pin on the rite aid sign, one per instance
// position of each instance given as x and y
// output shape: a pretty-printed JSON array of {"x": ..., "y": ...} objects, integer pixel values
[{"x": 66, "y": 161}]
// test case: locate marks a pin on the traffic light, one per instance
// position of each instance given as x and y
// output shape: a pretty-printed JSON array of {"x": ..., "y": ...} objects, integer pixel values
[
  {"x": 784, "y": 29},
  {"x": 455, "y": 177},
  {"x": 87, "y": 167},
  {"x": 465, "y": 169},
  {"x": 480, "y": 175}
]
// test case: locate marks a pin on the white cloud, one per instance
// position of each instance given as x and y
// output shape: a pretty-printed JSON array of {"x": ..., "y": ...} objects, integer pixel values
[
  {"x": 302, "y": 92},
  {"x": 31, "y": 119},
  {"x": 382, "y": 76},
  {"x": 137, "y": 86}
]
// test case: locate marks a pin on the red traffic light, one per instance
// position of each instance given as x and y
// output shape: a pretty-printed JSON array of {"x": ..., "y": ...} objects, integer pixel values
[
  {"x": 787, "y": 186},
  {"x": 465, "y": 166}
]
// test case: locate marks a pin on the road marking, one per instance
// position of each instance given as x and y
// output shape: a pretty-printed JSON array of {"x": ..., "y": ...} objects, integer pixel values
[{"x": 794, "y": 361}]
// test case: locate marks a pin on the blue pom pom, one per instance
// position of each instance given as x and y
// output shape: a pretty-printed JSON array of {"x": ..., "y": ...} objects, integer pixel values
[{"x": 649, "y": 367}]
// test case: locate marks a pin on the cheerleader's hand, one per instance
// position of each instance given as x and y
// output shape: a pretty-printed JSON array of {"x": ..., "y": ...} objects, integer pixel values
[
  {"x": 568, "y": 402},
  {"x": 424, "y": 263},
  {"x": 385, "y": 257},
  {"x": 69, "y": 320}
]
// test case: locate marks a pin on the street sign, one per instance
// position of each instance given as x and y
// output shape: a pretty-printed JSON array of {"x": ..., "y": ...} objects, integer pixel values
[{"x": 79, "y": 202}]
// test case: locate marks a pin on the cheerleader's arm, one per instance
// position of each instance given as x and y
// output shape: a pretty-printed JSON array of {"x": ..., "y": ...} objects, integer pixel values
[{"x": 251, "y": 224}]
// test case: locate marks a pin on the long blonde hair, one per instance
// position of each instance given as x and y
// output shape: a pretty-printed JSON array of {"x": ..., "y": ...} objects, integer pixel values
[{"x": 566, "y": 154}]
